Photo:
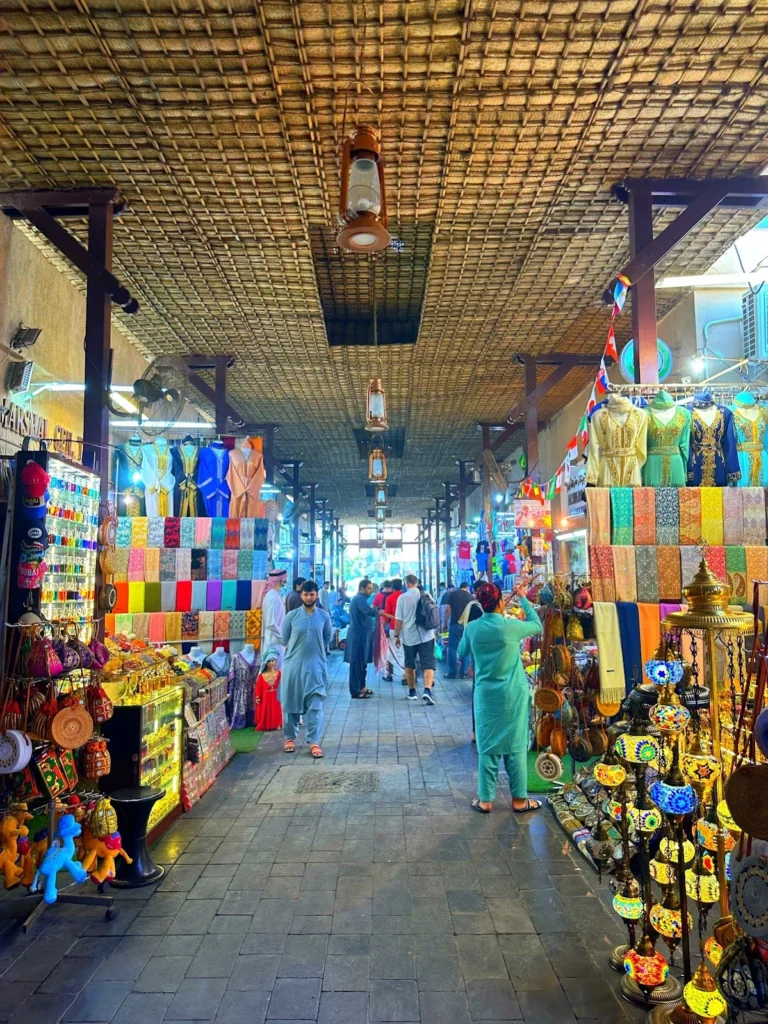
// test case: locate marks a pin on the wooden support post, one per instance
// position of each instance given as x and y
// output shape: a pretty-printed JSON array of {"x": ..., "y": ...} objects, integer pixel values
[
  {"x": 531, "y": 418},
  {"x": 296, "y": 493},
  {"x": 312, "y": 488},
  {"x": 428, "y": 553},
  {"x": 438, "y": 570},
  {"x": 221, "y": 395},
  {"x": 643, "y": 291},
  {"x": 447, "y": 509},
  {"x": 331, "y": 550},
  {"x": 463, "y": 499},
  {"x": 323, "y": 527},
  {"x": 269, "y": 454}
]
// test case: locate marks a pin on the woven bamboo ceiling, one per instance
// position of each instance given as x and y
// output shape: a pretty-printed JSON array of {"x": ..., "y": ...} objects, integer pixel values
[{"x": 505, "y": 123}]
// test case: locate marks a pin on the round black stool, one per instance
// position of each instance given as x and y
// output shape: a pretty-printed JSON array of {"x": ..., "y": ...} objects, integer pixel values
[{"x": 133, "y": 807}]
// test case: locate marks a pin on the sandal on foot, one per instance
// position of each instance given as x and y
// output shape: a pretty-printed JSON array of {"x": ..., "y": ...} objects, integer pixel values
[
  {"x": 316, "y": 751},
  {"x": 530, "y": 805},
  {"x": 289, "y": 747},
  {"x": 363, "y": 695},
  {"x": 475, "y": 805}
]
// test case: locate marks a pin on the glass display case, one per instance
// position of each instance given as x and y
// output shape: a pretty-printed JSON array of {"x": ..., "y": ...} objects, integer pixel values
[{"x": 145, "y": 737}]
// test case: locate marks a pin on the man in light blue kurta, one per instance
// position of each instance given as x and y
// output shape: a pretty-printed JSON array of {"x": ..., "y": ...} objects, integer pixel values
[
  {"x": 501, "y": 698},
  {"x": 304, "y": 679}
]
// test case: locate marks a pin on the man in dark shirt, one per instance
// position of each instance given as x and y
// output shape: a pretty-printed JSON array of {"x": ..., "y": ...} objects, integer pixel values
[
  {"x": 456, "y": 602},
  {"x": 293, "y": 600}
]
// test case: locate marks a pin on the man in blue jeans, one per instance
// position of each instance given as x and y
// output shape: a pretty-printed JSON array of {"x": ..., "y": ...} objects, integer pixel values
[{"x": 455, "y": 603}]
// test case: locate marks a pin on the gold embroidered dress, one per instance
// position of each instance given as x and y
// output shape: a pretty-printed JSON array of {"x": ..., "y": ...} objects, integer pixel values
[
  {"x": 713, "y": 460},
  {"x": 668, "y": 444},
  {"x": 617, "y": 444},
  {"x": 750, "y": 441}
]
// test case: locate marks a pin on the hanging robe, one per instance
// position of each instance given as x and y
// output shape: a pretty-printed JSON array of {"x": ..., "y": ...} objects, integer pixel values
[{"x": 157, "y": 474}]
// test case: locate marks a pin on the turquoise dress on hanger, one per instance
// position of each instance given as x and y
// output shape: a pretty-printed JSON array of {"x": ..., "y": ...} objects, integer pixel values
[{"x": 751, "y": 435}]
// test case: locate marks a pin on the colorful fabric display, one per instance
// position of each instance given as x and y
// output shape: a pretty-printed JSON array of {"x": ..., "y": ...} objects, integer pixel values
[
  {"x": 189, "y": 625},
  {"x": 218, "y": 533},
  {"x": 754, "y": 516},
  {"x": 629, "y": 631},
  {"x": 261, "y": 533},
  {"x": 215, "y": 566},
  {"x": 257, "y": 592},
  {"x": 184, "y": 596},
  {"x": 123, "y": 532},
  {"x": 712, "y": 515},
  {"x": 244, "y": 564},
  {"x": 172, "y": 532},
  {"x": 598, "y": 515},
  {"x": 690, "y": 558},
  {"x": 716, "y": 562},
  {"x": 135, "y": 597},
  {"x": 247, "y": 534},
  {"x": 156, "y": 532},
  {"x": 199, "y": 595},
  {"x": 199, "y": 560},
  {"x": 228, "y": 596},
  {"x": 689, "y": 500},
  {"x": 173, "y": 627},
  {"x": 109, "y": 624},
  {"x": 601, "y": 563},
  {"x": 646, "y": 574},
  {"x": 736, "y": 574},
  {"x": 650, "y": 632},
  {"x": 123, "y": 623},
  {"x": 183, "y": 564},
  {"x": 733, "y": 515},
  {"x": 167, "y": 565},
  {"x": 622, "y": 528},
  {"x": 668, "y": 566},
  {"x": 187, "y": 532},
  {"x": 202, "y": 532},
  {"x": 229, "y": 565},
  {"x": 120, "y": 558},
  {"x": 645, "y": 516},
  {"x": 213, "y": 595},
  {"x": 221, "y": 625},
  {"x": 610, "y": 664},
  {"x": 667, "y": 516},
  {"x": 243, "y": 595},
  {"x": 121, "y": 602},
  {"x": 757, "y": 565},
  {"x": 153, "y": 601},
  {"x": 237, "y": 626},
  {"x": 205, "y": 625},
  {"x": 156, "y": 628},
  {"x": 232, "y": 534},
  {"x": 152, "y": 565},
  {"x": 168, "y": 596},
  {"x": 141, "y": 626},
  {"x": 624, "y": 573},
  {"x": 139, "y": 532},
  {"x": 253, "y": 627},
  {"x": 260, "y": 563},
  {"x": 136, "y": 565}
]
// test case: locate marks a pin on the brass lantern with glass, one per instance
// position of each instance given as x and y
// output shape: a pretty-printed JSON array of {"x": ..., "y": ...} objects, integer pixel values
[
  {"x": 380, "y": 513},
  {"x": 375, "y": 407},
  {"x": 380, "y": 494},
  {"x": 377, "y": 466},
  {"x": 363, "y": 198}
]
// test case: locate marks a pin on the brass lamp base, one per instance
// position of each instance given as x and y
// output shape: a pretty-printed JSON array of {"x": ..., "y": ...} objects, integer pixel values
[
  {"x": 670, "y": 991},
  {"x": 617, "y": 958},
  {"x": 675, "y": 1013}
]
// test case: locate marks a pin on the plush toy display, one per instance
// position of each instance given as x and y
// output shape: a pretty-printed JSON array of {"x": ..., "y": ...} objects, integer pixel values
[
  {"x": 20, "y": 812},
  {"x": 61, "y": 856},
  {"x": 9, "y": 834},
  {"x": 104, "y": 851}
]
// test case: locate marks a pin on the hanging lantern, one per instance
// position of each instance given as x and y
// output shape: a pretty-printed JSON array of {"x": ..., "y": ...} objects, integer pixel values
[
  {"x": 609, "y": 772},
  {"x": 713, "y": 951},
  {"x": 700, "y": 767},
  {"x": 725, "y": 818},
  {"x": 640, "y": 749},
  {"x": 702, "y": 996},
  {"x": 707, "y": 832},
  {"x": 645, "y": 967},
  {"x": 672, "y": 793},
  {"x": 662, "y": 872},
  {"x": 380, "y": 513},
  {"x": 669, "y": 848},
  {"x": 363, "y": 198},
  {"x": 377, "y": 465},
  {"x": 380, "y": 494},
  {"x": 628, "y": 902},
  {"x": 375, "y": 407}
]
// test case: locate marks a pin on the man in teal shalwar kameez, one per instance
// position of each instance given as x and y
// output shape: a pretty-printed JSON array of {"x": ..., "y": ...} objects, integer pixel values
[
  {"x": 501, "y": 698},
  {"x": 304, "y": 679}
]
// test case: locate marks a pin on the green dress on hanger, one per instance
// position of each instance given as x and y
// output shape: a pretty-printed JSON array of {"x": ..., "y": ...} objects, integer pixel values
[
  {"x": 668, "y": 444},
  {"x": 751, "y": 435}
]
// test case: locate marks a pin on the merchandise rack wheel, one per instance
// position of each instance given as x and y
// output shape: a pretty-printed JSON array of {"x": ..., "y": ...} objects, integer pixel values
[{"x": 112, "y": 913}]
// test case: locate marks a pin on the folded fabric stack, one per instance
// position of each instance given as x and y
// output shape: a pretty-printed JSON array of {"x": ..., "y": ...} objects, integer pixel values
[{"x": 175, "y": 532}]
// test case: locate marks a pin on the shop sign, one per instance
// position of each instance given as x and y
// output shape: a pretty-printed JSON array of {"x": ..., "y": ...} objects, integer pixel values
[
  {"x": 532, "y": 514},
  {"x": 23, "y": 422},
  {"x": 577, "y": 497}
]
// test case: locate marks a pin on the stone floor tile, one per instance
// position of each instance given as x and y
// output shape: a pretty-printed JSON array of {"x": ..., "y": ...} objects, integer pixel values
[
  {"x": 273, "y": 916},
  {"x": 442, "y": 1007},
  {"x": 295, "y": 999},
  {"x": 493, "y": 999},
  {"x": 568, "y": 954},
  {"x": 480, "y": 957},
  {"x": 592, "y": 997},
  {"x": 71, "y": 974},
  {"x": 99, "y": 1001},
  {"x": 215, "y": 957},
  {"x": 393, "y": 1001},
  {"x": 196, "y": 999},
  {"x": 344, "y": 973},
  {"x": 303, "y": 957},
  {"x": 163, "y": 974},
  {"x": 546, "y": 1008},
  {"x": 43, "y": 1008},
  {"x": 343, "y": 1008},
  {"x": 143, "y": 1008},
  {"x": 253, "y": 972},
  {"x": 231, "y": 1009},
  {"x": 349, "y": 945},
  {"x": 12, "y": 995},
  {"x": 528, "y": 964}
]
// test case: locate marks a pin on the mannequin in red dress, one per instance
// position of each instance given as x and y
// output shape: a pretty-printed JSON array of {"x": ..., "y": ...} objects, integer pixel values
[{"x": 269, "y": 715}]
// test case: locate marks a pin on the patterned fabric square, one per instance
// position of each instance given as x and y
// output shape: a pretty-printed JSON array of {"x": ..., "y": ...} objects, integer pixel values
[
  {"x": 202, "y": 532},
  {"x": 689, "y": 500},
  {"x": 229, "y": 565},
  {"x": 647, "y": 574},
  {"x": 124, "y": 530},
  {"x": 622, "y": 524},
  {"x": 601, "y": 563},
  {"x": 167, "y": 565},
  {"x": 261, "y": 533},
  {"x": 205, "y": 625},
  {"x": 152, "y": 565},
  {"x": 668, "y": 571},
  {"x": 667, "y": 516},
  {"x": 645, "y": 515},
  {"x": 120, "y": 564},
  {"x": 172, "y": 532},
  {"x": 247, "y": 534},
  {"x": 260, "y": 565},
  {"x": 221, "y": 625},
  {"x": 156, "y": 532},
  {"x": 183, "y": 564},
  {"x": 237, "y": 626},
  {"x": 139, "y": 531},
  {"x": 215, "y": 559},
  {"x": 136, "y": 565},
  {"x": 232, "y": 534},
  {"x": 244, "y": 565},
  {"x": 754, "y": 516},
  {"x": 218, "y": 533},
  {"x": 187, "y": 532},
  {"x": 189, "y": 625},
  {"x": 733, "y": 515}
]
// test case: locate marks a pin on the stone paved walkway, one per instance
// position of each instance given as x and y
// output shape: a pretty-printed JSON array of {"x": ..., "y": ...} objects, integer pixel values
[{"x": 335, "y": 906}]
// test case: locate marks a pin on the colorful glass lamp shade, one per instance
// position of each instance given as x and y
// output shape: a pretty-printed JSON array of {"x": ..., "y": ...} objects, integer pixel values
[
  {"x": 670, "y": 718},
  {"x": 674, "y": 800},
  {"x": 662, "y": 872},
  {"x": 713, "y": 951},
  {"x": 644, "y": 819},
  {"x": 629, "y": 908},
  {"x": 668, "y": 921},
  {"x": 702, "y": 887},
  {"x": 663, "y": 673},
  {"x": 702, "y": 996},
  {"x": 725, "y": 818},
  {"x": 637, "y": 749},
  {"x": 707, "y": 832},
  {"x": 646, "y": 970},
  {"x": 669, "y": 848},
  {"x": 609, "y": 775}
]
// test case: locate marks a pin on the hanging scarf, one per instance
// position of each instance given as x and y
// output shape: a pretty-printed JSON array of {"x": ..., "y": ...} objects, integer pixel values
[
  {"x": 199, "y": 595},
  {"x": 120, "y": 559},
  {"x": 205, "y": 625},
  {"x": 136, "y": 597},
  {"x": 202, "y": 532},
  {"x": 646, "y": 574},
  {"x": 622, "y": 528},
  {"x": 645, "y": 515},
  {"x": 199, "y": 560},
  {"x": 260, "y": 565},
  {"x": 141, "y": 626},
  {"x": 221, "y": 625},
  {"x": 189, "y": 626},
  {"x": 157, "y": 628},
  {"x": 253, "y": 626},
  {"x": 232, "y": 533},
  {"x": 244, "y": 565},
  {"x": 689, "y": 563},
  {"x": 139, "y": 531},
  {"x": 121, "y": 602},
  {"x": 184, "y": 596},
  {"x": 228, "y": 596},
  {"x": 123, "y": 533},
  {"x": 183, "y": 564},
  {"x": 650, "y": 632},
  {"x": 156, "y": 532},
  {"x": 757, "y": 565},
  {"x": 257, "y": 593},
  {"x": 247, "y": 534},
  {"x": 153, "y": 597},
  {"x": 754, "y": 516},
  {"x": 736, "y": 572},
  {"x": 124, "y": 623},
  {"x": 167, "y": 565},
  {"x": 215, "y": 560},
  {"x": 610, "y": 663},
  {"x": 689, "y": 500},
  {"x": 624, "y": 573},
  {"x": 243, "y": 595},
  {"x": 152, "y": 565},
  {"x": 712, "y": 515},
  {"x": 229, "y": 565},
  {"x": 667, "y": 516},
  {"x": 213, "y": 595},
  {"x": 168, "y": 597},
  {"x": 733, "y": 515},
  {"x": 173, "y": 627},
  {"x": 187, "y": 532},
  {"x": 218, "y": 533},
  {"x": 237, "y": 627},
  {"x": 716, "y": 562},
  {"x": 668, "y": 562},
  {"x": 601, "y": 563},
  {"x": 599, "y": 515},
  {"x": 172, "y": 532},
  {"x": 261, "y": 534},
  {"x": 136, "y": 565}
]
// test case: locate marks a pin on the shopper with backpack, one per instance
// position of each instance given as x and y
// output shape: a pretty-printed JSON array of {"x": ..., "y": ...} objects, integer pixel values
[{"x": 417, "y": 617}]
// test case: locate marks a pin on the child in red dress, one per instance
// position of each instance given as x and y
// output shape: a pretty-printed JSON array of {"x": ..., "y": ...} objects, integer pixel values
[{"x": 269, "y": 715}]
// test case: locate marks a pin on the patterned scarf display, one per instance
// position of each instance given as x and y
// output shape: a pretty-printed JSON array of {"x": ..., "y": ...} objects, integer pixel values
[
  {"x": 733, "y": 515},
  {"x": 199, "y": 559},
  {"x": 624, "y": 573},
  {"x": 712, "y": 515},
  {"x": 156, "y": 532},
  {"x": 184, "y": 564},
  {"x": 221, "y": 625},
  {"x": 205, "y": 627},
  {"x": 202, "y": 532},
  {"x": 173, "y": 627},
  {"x": 167, "y": 565},
  {"x": 601, "y": 563},
  {"x": 124, "y": 530},
  {"x": 261, "y": 534},
  {"x": 599, "y": 515},
  {"x": 668, "y": 564},
  {"x": 120, "y": 559},
  {"x": 237, "y": 627},
  {"x": 646, "y": 574},
  {"x": 716, "y": 562},
  {"x": 187, "y": 532},
  {"x": 136, "y": 565},
  {"x": 667, "y": 516},
  {"x": 260, "y": 565},
  {"x": 247, "y": 534},
  {"x": 218, "y": 533},
  {"x": 736, "y": 571},
  {"x": 232, "y": 534},
  {"x": 139, "y": 532},
  {"x": 757, "y": 568},
  {"x": 244, "y": 565},
  {"x": 689, "y": 563},
  {"x": 253, "y": 626},
  {"x": 229, "y": 565},
  {"x": 215, "y": 559},
  {"x": 189, "y": 625},
  {"x": 754, "y": 516},
  {"x": 689, "y": 500},
  {"x": 622, "y": 528},
  {"x": 172, "y": 532},
  {"x": 645, "y": 515},
  {"x": 152, "y": 565}
]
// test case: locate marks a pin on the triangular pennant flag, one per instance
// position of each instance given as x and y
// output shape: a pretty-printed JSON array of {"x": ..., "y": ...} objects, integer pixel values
[
  {"x": 620, "y": 292},
  {"x": 584, "y": 432},
  {"x": 551, "y": 489},
  {"x": 559, "y": 478},
  {"x": 567, "y": 472},
  {"x": 591, "y": 403},
  {"x": 573, "y": 445},
  {"x": 601, "y": 380},
  {"x": 610, "y": 347}
]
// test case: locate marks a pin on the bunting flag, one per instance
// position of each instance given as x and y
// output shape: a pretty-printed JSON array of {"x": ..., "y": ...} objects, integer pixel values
[
  {"x": 573, "y": 445},
  {"x": 551, "y": 489},
  {"x": 584, "y": 431},
  {"x": 601, "y": 381},
  {"x": 620, "y": 293},
  {"x": 610, "y": 347},
  {"x": 559, "y": 478}
]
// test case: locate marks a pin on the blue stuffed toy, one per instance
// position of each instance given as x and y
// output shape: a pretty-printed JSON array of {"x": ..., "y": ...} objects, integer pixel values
[{"x": 60, "y": 856}]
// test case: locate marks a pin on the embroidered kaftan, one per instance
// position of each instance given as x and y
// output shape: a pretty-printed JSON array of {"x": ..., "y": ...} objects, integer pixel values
[
  {"x": 245, "y": 478},
  {"x": 241, "y": 682},
  {"x": 617, "y": 445},
  {"x": 750, "y": 446},
  {"x": 157, "y": 474},
  {"x": 713, "y": 461},
  {"x": 130, "y": 486},
  {"x": 212, "y": 469},
  {"x": 668, "y": 449},
  {"x": 187, "y": 495}
]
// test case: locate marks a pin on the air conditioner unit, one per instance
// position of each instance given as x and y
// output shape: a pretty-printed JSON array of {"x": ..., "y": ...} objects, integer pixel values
[{"x": 754, "y": 311}]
